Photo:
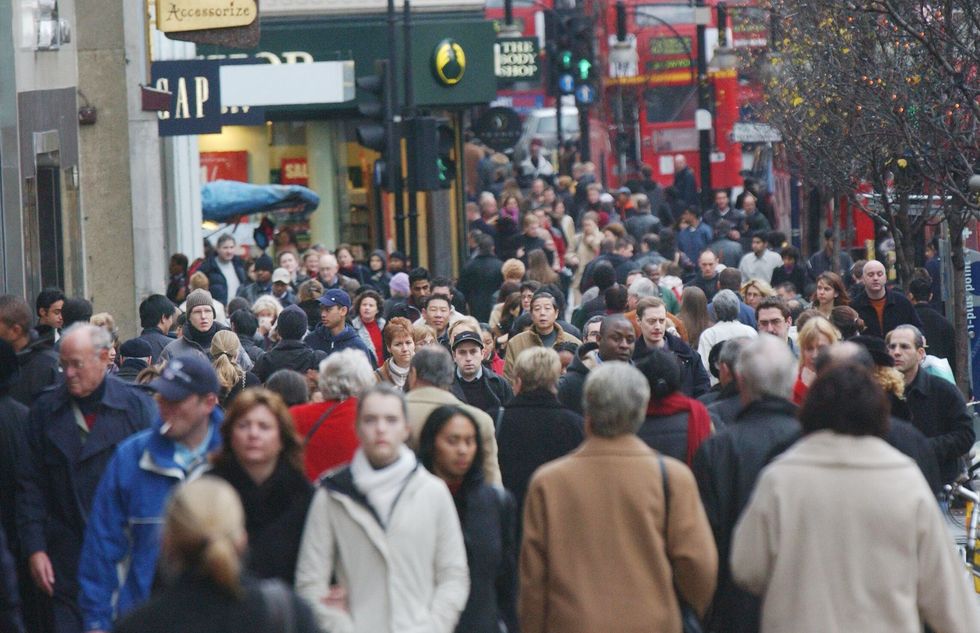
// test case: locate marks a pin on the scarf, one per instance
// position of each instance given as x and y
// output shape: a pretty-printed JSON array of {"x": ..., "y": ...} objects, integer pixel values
[
  {"x": 381, "y": 486},
  {"x": 698, "y": 421},
  {"x": 203, "y": 339},
  {"x": 398, "y": 375}
]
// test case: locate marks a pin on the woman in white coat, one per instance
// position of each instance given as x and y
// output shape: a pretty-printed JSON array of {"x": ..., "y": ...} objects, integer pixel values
[
  {"x": 389, "y": 530},
  {"x": 842, "y": 532}
]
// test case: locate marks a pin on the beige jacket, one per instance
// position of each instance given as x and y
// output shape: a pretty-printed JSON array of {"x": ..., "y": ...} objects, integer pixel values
[
  {"x": 843, "y": 534},
  {"x": 422, "y": 401},
  {"x": 594, "y": 558},
  {"x": 525, "y": 340},
  {"x": 409, "y": 578}
]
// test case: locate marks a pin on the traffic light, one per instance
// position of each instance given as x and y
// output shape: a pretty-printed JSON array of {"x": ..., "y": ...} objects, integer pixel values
[
  {"x": 431, "y": 144},
  {"x": 373, "y": 106},
  {"x": 446, "y": 164}
]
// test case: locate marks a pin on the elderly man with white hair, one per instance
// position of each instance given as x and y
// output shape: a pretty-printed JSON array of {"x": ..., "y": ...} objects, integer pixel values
[
  {"x": 728, "y": 463},
  {"x": 726, "y": 305}
]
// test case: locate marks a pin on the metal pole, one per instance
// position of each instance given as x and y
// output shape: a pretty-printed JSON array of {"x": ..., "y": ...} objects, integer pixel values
[
  {"x": 413, "y": 202},
  {"x": 391, "y": 132},
  {"x": 508, "y": 12},
  {"x": 704, "y": 103}
]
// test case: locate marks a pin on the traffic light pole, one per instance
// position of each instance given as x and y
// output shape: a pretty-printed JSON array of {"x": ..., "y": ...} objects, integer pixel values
[
  {"x": 704, "y": 103},
  {"x": 409, "y": 112},
  {"x": 391, "y": 135}
]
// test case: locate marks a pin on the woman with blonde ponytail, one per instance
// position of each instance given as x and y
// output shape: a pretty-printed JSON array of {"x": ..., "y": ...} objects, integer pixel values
[
  {"x": 203, "y": 543},
  {"x": 225, "y": 350}
]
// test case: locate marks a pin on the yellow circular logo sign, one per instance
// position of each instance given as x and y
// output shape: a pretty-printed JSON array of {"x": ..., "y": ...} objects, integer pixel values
[{"x": 449, "y": 62}]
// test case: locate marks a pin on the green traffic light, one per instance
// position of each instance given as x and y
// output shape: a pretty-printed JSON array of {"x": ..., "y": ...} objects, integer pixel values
[
  {"x": 566, "y": 59},
  {"x": 584, "y": 68}
]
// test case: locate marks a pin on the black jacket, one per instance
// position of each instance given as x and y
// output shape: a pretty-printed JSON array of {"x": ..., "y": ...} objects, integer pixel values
[
  {"x": 479, "y": 279},
  {"x": 287, "y": 354},
  {"x": 497, "y": 388},
  {"x": 254, "y": 290},
  {"x": 130, "y": 369},
  {"x": 157, "y": 339},
  {"x": 39, "y": 369},
  {"x": 488, "y": 517},
  {"x": 797, "y": 277},
  {"x": 938, "y": 410},
  {"x": 58, "y": 474},
  {"x": 898, "y": 311},
  {"x": 940, "y": 337},
  {"x": 10, "y": 619},
  {"x": 534, "y": 429},
  {"x": 910, "y": 440},
  {"x": 196, "y": 604},
  {"x": 726, "y": 467},
  {"x": 13, "y": 426},
  {"x": 251, "y": 348},
  {"x": 218, "y": 284},
  {"x": 570, "y": 385},
  {"x": 694, "y": 377},
  {"x": 666, "y": 434},
  {"x": 275, "y": 513}
]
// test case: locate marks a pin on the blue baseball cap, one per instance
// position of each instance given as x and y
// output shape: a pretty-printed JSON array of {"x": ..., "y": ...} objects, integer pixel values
[
  {"x": 190, "y": 374},
  {"x": 335, "y": 297}
]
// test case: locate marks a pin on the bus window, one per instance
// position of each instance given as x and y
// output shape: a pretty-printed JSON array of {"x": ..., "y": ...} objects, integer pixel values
[{"x": 668, "y": 104}]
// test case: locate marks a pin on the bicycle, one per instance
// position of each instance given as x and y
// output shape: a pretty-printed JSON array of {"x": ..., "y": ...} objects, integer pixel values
[{"x": 969, "y": 550}]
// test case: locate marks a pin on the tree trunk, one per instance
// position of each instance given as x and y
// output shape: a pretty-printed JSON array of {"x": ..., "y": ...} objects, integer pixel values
[
  {"x": 957, "y": 309},
  {"x": 904, "y": 246}
]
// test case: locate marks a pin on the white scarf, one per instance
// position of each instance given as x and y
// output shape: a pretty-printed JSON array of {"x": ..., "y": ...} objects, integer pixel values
[
  {"x": 381, "y": 486},
  {"x": 398, "y": 375}
]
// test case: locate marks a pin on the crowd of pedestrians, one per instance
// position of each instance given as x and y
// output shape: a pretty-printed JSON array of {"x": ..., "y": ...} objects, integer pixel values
[{"x": 625, "y": 412}]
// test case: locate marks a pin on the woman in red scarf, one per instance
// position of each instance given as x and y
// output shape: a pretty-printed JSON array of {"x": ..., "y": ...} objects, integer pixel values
[{"x": 675, "y": 425}]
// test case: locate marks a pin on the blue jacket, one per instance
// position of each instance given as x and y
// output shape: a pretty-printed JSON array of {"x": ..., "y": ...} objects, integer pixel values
[
  {"x": 322, "y": 339},
  {"x": 59, "y": 473},
  {"x": 125, "y": 524}
]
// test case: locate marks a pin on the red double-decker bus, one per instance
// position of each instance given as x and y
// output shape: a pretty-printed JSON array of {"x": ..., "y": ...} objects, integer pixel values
[{"x": 650, "y": 108}]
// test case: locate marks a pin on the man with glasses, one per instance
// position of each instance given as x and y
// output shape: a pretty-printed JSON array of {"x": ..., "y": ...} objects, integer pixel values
[
  {"x": 128, "y": 508},
  {"x": 773, "y": 317},
  {"x": 71, "y": 436}
]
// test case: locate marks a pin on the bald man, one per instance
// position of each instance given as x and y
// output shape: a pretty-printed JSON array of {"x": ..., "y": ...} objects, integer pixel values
[
  {"x": 617, "y": 341},
  {"x": 881, "y": 309}
]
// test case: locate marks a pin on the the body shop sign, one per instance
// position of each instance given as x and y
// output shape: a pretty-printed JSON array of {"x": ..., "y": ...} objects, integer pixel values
[{"x": 516, "y": 59}]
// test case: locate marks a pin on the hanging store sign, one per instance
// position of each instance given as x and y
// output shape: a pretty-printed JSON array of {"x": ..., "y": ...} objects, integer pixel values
[
  {"x": 500, "y": 128},
  {"x": 448, "y": 62},
  {"x": 516, "y": 59},
  {"x": 174, "y": 16}
]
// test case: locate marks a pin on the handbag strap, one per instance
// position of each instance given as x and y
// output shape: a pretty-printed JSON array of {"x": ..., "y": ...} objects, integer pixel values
[{"x": 316, "y": 426}]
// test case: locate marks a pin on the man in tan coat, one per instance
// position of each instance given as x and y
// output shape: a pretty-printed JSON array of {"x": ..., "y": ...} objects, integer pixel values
[
  {"x": 544, "y": 331},
  {"x": 429, "y": 381},
  {"x": 600, "y": 550}
]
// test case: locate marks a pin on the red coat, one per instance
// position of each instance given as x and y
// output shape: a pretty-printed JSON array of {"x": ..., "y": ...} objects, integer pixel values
[{"x": 334, "y": 442}]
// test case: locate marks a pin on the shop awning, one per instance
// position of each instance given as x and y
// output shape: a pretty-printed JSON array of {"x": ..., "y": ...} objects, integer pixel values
[{"x": 224, "y": 200}]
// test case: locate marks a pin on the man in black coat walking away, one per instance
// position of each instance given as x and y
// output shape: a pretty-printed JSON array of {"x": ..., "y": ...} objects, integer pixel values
[
  {"x": 157, "y": 316},
  {"x": 535, "y": 428},
  {"x": 728, "y": 464},
  {"x": 940, "y": 337},
  {"x": 290, "y": 352},
  {"x": 36, "y": 358},
  {"x": 15, "y": 579},
  {"x": 480, "y": 278}
]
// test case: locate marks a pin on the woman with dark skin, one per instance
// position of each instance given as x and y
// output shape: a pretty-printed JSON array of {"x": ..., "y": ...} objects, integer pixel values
[{"x": 450, "y": 448}]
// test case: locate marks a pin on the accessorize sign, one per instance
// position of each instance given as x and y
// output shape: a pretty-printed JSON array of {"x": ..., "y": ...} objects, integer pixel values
[{"x": 194, "y": 15}]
